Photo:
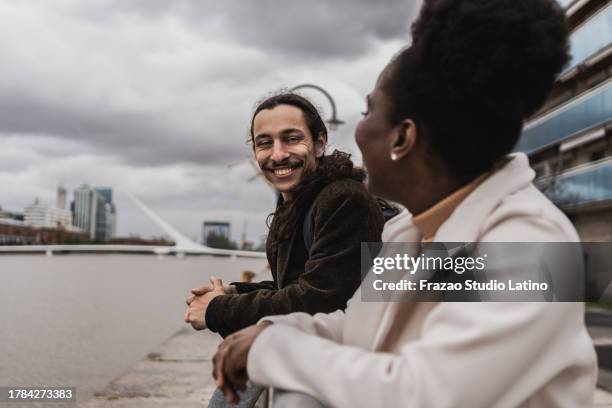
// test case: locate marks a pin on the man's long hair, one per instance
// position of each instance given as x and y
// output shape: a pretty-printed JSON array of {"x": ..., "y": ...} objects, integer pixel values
[{"x": 289, "y": 214}]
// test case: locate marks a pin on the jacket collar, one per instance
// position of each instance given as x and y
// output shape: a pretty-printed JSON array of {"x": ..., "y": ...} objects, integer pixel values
[
  {"x": 465, "y": 222},
  {"x": 462, "y": 226}
]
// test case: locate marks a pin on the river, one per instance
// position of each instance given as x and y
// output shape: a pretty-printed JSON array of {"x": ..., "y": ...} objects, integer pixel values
[{"x": 81, "y": 320}]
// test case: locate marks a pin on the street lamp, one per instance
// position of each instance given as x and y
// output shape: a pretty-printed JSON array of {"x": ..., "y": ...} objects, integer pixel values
[{"x": 333, "y": 122}]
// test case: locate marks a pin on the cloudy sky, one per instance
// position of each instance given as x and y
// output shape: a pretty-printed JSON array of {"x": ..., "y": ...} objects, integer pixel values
[{"x": 154, "y": 97}]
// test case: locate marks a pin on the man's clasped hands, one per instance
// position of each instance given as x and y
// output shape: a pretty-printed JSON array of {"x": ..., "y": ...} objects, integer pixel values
[{"x": 230, "y": 360}]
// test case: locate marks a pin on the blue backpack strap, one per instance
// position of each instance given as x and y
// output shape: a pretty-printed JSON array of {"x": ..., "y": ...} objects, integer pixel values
[
  {"x": 308, "y": 228},
  {"x": 388, "y": 210}
]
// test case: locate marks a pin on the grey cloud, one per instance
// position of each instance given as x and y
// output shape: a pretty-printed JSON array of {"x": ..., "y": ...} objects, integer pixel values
[
  {"x": 140, "y": 94},
  {"x": 140, "y": 137},
  {"x": 185, "y": 103},
  {"x": 316, "y": 28},
  {"x": 319, "y": 28}
]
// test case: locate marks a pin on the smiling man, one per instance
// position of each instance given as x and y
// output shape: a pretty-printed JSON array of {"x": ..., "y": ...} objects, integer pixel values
[
  {"x": 315, "y": 270},
  {"x": 313, "y": 245},
  {"x": 284, "y": 147}
]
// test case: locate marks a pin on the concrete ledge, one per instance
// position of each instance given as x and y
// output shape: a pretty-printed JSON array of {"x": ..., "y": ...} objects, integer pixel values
[
  {"x": 178, "y": 374},
  {"x": 602, "y": 399}
]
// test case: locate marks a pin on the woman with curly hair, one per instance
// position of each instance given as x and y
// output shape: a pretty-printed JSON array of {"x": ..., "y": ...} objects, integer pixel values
[{"x": 442, "y": 121}]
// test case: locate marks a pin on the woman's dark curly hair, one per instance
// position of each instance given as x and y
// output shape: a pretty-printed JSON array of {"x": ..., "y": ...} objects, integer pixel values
[{"x": 475, "y": 71}]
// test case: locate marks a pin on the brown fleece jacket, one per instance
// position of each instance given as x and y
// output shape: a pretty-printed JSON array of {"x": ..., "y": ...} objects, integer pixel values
[{"x": 344, "y": 215}]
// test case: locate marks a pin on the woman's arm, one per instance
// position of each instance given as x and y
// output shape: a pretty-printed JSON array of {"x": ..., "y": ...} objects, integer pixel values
[
  {"x": 469, "y": 355},
  {"x": 326, "y": 325}
]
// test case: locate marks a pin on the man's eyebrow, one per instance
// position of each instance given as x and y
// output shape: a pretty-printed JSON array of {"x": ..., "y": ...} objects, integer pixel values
[
  {"x": 292, "y": 130},
  {"x": 261, "y": 135}
]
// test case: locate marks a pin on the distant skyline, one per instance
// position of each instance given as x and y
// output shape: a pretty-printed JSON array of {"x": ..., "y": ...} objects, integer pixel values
[{"x": 155, "y": 97}]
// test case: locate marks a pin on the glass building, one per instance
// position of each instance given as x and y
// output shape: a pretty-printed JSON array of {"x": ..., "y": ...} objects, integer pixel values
[
  {"x": 569, "y": 142},
  {"x": 94, "y": 212},
  {"x": 84, "y": 210},
  {"x": 219, "y": 228},
  {"x": 105, "y": 214}
]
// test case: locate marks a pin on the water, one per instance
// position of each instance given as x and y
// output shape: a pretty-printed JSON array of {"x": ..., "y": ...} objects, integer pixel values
[{"x": 82, "y": 320}]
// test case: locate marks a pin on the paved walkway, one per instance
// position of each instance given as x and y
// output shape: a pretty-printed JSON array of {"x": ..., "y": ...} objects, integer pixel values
[
  {"x": 602, "y": 337},
  {"x": 179, "y": 375},
  {"x": 602, "y": 399}
]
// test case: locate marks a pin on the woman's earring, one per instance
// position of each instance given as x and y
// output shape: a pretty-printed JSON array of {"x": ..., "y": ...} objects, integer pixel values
[{"x": 393, "y": 156}]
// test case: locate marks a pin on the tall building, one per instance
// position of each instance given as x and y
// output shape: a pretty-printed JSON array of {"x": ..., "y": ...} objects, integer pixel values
[
  {"x": 105, "y": 214},
  {"x": 84, "y": 209},
  {"x": 218, "y": 228},
  {"x": 42, "y": 216},
  {"x": 95, "y": 212},
  {"x": 11, "y": 216},
  {"x": 569, "y": 142},
  {"x": 61, "y": 198}
]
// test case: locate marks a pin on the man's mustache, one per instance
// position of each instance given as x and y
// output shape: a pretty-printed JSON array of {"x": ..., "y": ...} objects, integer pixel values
[{"x": 286, "y": 163}]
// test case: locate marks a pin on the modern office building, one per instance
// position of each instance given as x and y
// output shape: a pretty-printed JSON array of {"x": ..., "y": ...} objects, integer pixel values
[
  {"x": 94, "y": 212},
  {"x": 219, "y": 228},
  {"x": 12, "y": 216},
  {"x": 39, "y": 224},
  {"x": 569, "y": 142},
  {"x": 105, "y": 214},
  {"x": 62, "y": 197},
  {"x": 84, "y": 209},
  {"x": 39, "y": 215}
]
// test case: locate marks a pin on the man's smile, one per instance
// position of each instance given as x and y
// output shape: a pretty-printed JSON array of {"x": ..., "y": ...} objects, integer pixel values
[{"x": 285, "y": 170}]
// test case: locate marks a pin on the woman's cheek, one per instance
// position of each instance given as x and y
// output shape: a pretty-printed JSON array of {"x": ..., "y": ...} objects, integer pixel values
[{"x": 359, "y": 135}]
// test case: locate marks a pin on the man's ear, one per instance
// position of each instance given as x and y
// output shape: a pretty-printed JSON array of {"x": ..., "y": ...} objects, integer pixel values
[
  {"x": 403, "y": 139},
  {"x": 319, "y": 145}
]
